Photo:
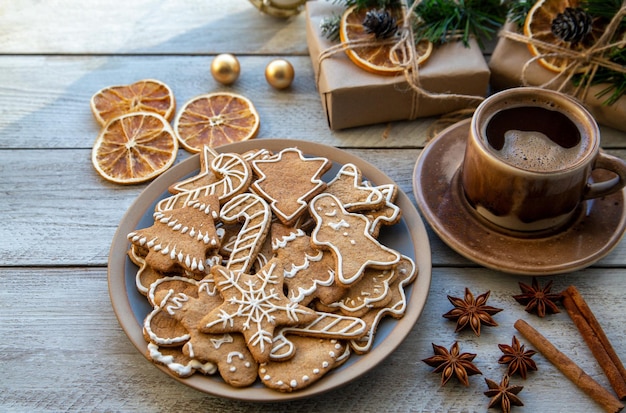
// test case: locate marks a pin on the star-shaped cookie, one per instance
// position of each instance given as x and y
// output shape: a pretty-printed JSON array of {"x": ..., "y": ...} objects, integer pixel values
[{"x": 255, "y": 305}]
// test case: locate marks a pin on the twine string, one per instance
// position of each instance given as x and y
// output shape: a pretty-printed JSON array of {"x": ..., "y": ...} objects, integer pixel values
[
  {"x": 586, "y": 61},
  {"x": 402, "y": 54}
]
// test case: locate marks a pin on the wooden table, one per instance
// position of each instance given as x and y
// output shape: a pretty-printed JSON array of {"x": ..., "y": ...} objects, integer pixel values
[{"x": 61, "y": 347}]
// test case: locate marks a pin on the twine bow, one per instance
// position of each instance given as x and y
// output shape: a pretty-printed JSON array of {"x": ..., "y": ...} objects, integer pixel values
[
  {"x": 403, "y": 55},
  {"x": 586, "y": 61}
]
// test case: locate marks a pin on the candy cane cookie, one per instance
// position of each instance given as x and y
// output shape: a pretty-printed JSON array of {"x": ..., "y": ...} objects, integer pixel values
[
  {"x": 256, "y": 217},
  {"x": 235, "y": 174}
]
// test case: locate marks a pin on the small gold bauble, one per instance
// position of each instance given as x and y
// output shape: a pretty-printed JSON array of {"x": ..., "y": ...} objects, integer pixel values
[
  {"x": 279, "y": 73},
  {"x": 225, "y": 68},
  {"x": 279, "y": 8}
]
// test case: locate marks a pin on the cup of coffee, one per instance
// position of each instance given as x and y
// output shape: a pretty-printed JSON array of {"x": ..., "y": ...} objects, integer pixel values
[{"x": 529, "y": 160}]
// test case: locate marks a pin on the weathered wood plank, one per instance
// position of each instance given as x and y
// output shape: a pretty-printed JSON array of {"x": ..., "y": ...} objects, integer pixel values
[
  {"x": 145, "y": 27},
  {"x": 44, "y": 101},
  {"x": 66, "y": 351},
  {"x": 64, "y": 214}
]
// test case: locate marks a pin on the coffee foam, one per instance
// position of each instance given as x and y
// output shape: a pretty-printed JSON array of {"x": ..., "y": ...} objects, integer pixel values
[{"x": 536, "y": 152}]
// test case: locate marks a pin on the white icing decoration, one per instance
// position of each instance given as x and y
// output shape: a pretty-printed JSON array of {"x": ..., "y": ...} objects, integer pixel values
[
  {"x": 236, "y": 175},
  {"x": 217, "y": 342},
  {"x": 255, "y": 301},
  {"x": 316, "y": 183},
  {"x": 178, "y": 368},
  {"x": 257, "y": 217},
  {"x": 379, "y": 256},
  {"x": 364, "y": 344}
]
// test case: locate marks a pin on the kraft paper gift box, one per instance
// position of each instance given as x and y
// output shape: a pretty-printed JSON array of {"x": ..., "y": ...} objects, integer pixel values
[
  {"x": 507, "y": 70},
  {"x": 352, "y": 96}
]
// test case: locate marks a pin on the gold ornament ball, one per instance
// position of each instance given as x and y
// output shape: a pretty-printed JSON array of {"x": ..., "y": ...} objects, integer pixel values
[
  {"x": 225, "y": 68},
  {"x": 279, "y": 8},
  {"x": 279, "y": 73}
]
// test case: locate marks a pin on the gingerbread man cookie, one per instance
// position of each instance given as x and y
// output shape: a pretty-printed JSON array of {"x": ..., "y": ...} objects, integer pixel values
[
  {"x": 349, "y": 188},
  {"x": 347, "y": 235}
]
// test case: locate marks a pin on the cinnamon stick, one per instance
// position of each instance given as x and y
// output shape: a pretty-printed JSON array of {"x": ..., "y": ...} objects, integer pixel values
[
  {"x": 596, "y": 339},
  {"x": 570, "y": 369}
]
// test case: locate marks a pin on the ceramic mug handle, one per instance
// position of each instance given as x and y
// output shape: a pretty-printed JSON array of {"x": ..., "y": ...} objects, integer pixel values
[{"x": 610, "y": 163}]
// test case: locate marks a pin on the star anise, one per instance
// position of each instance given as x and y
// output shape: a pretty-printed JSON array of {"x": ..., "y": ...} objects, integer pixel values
[
  {"x": 452, "y": 363},
  {"x": 517, "y": 357},
  {"x": 503, "y": 394},
  {"x": 538, "y": 300},
  {"x": 472, "y": 311}
]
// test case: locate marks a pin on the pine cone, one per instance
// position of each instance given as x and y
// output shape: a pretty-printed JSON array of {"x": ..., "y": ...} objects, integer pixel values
[
  {"x": 380, "y": 23},
  {"x": 572, "y": 25}
]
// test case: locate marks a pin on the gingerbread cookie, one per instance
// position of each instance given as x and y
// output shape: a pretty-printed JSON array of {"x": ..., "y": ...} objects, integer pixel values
[
  {"x": 309, "y": 272},
  {"x": 177, "y": 362},
  {"x": 388, "y": 214},
  {"x": 406, "y": 273},
  {"x": 372, "y": 290},
  {"x": 349, "y": 188},
  {"x": 254, "y": 304},
  {"x": 313, "y": 358},
  {"x": 228, "y": 175},
  {"x": 181, "y": 238},
  {"x": 256, "y": 216},
  {"x": 288, "y": 180},
  {"x": 347, "y": 235},
  {"x": 182, "y": 303}
]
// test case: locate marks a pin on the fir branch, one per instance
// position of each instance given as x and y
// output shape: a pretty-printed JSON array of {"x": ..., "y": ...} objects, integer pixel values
[
  {"x": 518, "y": 9},
  {"x": 330, "y": 27},
  {"x": 379, "y": 4},
  {"x": 442, "y": 20},
  {"x": 615, "y": 81}
]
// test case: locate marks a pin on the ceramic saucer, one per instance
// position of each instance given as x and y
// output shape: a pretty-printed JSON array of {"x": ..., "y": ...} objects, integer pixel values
[{"x": 588, "y": 238}]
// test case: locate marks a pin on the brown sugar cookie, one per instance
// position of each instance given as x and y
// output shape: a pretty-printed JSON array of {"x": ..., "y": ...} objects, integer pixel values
[
  {"x": 254, "y": 304},
  {"x": 182, "y": 303},
  {"x": 288, "y": 180},
  {"x": 372, "y": 290},
  {"x": 256, "y": 216},
  {"x": 181, "y": 238},
  {"x": 347, "y": 235},
  {"x": 349, "y": 188},
  {"x": 406, "y": 274},
  {"x": 388, "y": 214},
  {"x": 177, "y": 362},
  {"x": 309, "y": 272},
  {"x": 227, "y": 175},
  {"x": 204, "y": 178},
  {"x": 313, "y": 358}
]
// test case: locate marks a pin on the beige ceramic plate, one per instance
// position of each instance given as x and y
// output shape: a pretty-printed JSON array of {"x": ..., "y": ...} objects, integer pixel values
[
  {"x": 594, "y": 233},
  {"x": 409, "y": 237}
]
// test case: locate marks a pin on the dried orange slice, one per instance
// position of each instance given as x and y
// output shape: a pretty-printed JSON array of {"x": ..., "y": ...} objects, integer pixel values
[
  {"x": 538, "y": 25},
  {"x": 216, "y": 119},
  {"x": 375, "y": 58},
  {"x": 134, "y": 147},
  {"x": 142, "y": 96}
]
